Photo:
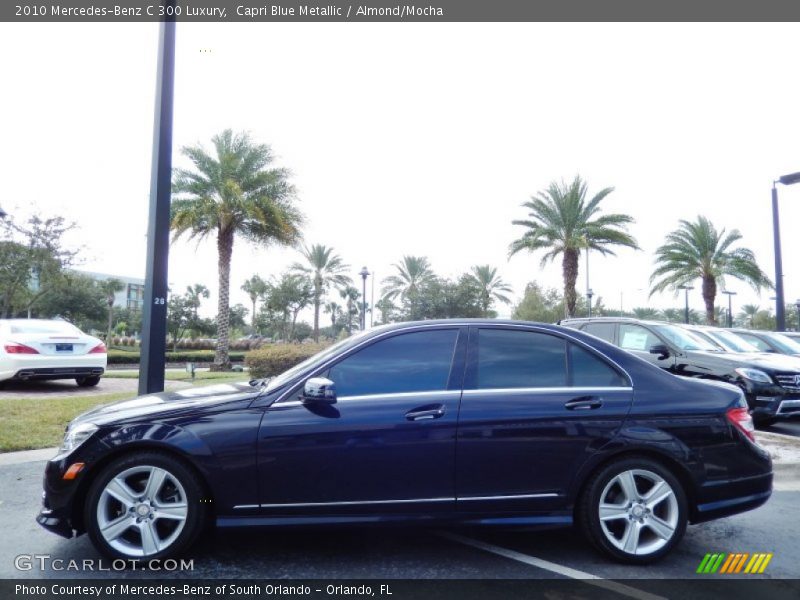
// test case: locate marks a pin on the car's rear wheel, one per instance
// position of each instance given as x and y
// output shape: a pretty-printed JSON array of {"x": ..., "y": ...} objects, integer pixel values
[
  {"x": 88, "y": 381},
  {"x": 634, "y": 510},
  {"x": 144, "y": 505}
]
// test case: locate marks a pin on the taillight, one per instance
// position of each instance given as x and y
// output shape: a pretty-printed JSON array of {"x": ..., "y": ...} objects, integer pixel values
[
  {"x": 14, "y": 348},
  {"x": 741, "y": 419},
  {"x": 99, "y": 349}
]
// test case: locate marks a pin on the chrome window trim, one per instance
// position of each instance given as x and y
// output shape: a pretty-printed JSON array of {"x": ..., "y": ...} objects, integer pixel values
[
  {"x": 456, "y": 325},
  {"x": 454, "y": 393}
]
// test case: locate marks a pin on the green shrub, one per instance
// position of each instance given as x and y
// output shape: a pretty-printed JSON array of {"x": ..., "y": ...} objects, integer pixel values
[
  {"x": 273, "y": 359},
  {"x": 131, "y": 357}
]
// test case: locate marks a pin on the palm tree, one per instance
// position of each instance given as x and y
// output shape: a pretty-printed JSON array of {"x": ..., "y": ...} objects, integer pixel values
[
  {"x": 334, "y": 310},
  {"x": 646, "y": 312},
  {"x": 490, "y": 285},
  {"x": 255, "y": 288},
  {"x": 412, "y": 273},
  {"x": 233, "y": 192},
  {"x": 110, "y": 288},
  {"x": 562, "y": 222},
  {"x": 697, "y": 250},
  {"x": 350, "y": 295},
  {"x": 749, "y": 312},
  {"x": 195, "y": 294},
  {"x": 325, "y": 268}
]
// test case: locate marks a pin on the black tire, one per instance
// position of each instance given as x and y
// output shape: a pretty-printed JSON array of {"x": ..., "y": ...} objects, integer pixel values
[
  {"x": 196, "y": 516},
  {"x": 88, "y": 381},
  {"x": 588, "y": 511}
]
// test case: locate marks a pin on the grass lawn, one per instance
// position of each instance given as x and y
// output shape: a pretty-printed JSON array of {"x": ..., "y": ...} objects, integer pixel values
[
  {"x": 31, "y": 423},
  {"x": 175, "y": 375}
]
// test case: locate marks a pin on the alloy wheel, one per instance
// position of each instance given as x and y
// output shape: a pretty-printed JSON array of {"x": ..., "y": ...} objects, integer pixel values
[
  {"x": 142, "y": 511},
  {"x": 638, "y": 512}
]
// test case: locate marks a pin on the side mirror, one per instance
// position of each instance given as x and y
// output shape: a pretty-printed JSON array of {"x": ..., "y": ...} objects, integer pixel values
[
  {"x": 319, "y": 390},
  {"x": 661, "y": 350}
]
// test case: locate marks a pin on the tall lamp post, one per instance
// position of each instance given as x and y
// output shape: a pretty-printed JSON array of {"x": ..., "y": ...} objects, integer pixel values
[
  {"x": 730, "y": 314},
  {"x": 364, "y": 274},
  {"x": 780, "y": 308},
  {"x": 589, "y": 294},
  {"x": 686, "y": 289}
]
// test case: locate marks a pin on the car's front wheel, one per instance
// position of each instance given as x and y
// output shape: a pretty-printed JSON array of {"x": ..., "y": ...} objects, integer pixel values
[
  {"x": 634, "y": 510},
  {"x": 144, "y": 505},
  {"x": 90, "y": 381}
]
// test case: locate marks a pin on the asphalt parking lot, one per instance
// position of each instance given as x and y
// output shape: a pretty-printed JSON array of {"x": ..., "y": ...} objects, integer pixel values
[{"x": 397, "y": 553}]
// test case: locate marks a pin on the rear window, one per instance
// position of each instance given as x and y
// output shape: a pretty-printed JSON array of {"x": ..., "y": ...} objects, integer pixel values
[{"x": 54, "y": 327}]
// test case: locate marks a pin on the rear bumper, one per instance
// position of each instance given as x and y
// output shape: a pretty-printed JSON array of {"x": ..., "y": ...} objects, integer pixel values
[
  {"x": 732, "y": 496},
  {"x": 56, "y": 373},
  {"x": 42, "y": 366}
]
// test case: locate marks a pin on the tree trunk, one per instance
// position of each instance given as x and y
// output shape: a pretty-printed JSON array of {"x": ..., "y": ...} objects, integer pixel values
[
  {"x": 709, "y": 294},
  {"x": 569, "y": 267},
  {"x": 253, "y": 320},
  {"x": 317, "y": 299},
  {"x": 222, "y": 361},
  {"x": 110, "y": 322}
]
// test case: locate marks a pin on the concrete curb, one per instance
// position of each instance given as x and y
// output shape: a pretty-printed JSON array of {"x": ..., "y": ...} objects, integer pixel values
[{"x": 26, "y": 456}]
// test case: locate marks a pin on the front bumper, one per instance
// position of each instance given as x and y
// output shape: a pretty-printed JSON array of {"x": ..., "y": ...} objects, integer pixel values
[{"x": 772, "y": 401}]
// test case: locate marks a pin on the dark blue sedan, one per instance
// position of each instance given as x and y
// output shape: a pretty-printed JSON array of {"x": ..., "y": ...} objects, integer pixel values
[{"x": 478, "y": 422}]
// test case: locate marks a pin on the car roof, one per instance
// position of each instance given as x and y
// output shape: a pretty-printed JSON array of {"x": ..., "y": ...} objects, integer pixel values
[
  {"x": 461, "y": 322},
  {"x": 614, "y": 320}
]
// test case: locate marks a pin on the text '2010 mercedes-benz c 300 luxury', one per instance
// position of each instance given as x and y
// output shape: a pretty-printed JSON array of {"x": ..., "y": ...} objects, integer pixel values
[{"x": 477, "y": 422}]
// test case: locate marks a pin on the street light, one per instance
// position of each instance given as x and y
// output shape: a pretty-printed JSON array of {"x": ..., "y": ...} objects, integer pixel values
[
  {"x": 589, "y": 294},
  {"x": 780, "y": 308},
  {"x": 730, "y": 314},
  {"x": 686, "y": 289},
  {"x": 364, "y": 274}
]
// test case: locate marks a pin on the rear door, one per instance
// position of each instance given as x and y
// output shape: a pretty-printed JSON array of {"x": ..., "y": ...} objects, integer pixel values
[{"x": 535, "y": 406}]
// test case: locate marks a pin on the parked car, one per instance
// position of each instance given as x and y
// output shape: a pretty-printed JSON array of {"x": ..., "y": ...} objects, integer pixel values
[
  {"x": 792, "y": 335},
  {"x": 769, "y": 341},
  {"x": 771, "y": 382},
  {"x": 38, "y": 349},
  {"x": 477, "y": 422},
  {"x": 724, "y": 339}
]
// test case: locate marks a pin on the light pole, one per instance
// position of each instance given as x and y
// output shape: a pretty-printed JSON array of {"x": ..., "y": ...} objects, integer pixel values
[
  {"x": 730, "y": 314},
  {"x": 589, "y": 294},
  {"x": 364, "y": 274},
  {"x": 780, "y": 308},
  {"x": 686, "y": 289}
]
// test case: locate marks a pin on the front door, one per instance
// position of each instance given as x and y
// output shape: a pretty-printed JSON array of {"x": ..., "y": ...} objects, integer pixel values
[{"x": 386, "y": 445}]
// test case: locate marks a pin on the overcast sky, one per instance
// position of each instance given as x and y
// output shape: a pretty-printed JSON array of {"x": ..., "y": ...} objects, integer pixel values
[{"x": 415, "y": 138}]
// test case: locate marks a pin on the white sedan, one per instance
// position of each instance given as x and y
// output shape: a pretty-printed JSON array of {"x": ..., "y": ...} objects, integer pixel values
[{"x": 37, "y": 349}]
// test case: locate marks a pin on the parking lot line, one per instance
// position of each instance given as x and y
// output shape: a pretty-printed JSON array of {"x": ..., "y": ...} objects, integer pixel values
[{"x": 587, "y": 578}]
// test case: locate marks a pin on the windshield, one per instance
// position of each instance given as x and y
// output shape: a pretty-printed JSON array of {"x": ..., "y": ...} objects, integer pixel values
[
  {"x": 787, "y": 345},
  {"x": 685, "y": 340},
  {"x": 278, "y": 381},
  {"x": 51, "y": 327},
  {"x": 731, "y": 341}
]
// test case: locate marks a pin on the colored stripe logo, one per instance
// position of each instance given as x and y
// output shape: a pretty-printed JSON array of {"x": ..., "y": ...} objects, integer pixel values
[{"x": 743, "y": 562}]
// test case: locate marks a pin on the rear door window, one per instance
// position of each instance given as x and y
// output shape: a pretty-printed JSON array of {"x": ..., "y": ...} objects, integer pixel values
[{"x": 605, "y": 331}]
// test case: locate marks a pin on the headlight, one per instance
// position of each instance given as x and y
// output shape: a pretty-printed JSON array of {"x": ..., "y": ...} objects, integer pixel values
[
  {"x": 75, "y": 436},
  {"x": 754, "y": 375}
]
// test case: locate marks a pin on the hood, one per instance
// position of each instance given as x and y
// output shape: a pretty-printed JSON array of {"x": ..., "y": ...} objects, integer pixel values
[
  {"x": 155, "y": 406},
  {"x": 755, "y": 360}
]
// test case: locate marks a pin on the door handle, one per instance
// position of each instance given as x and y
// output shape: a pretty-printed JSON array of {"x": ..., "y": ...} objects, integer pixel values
[
  {"x": 426, "y": 412},
  {"x": 584, "y": 403}
]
